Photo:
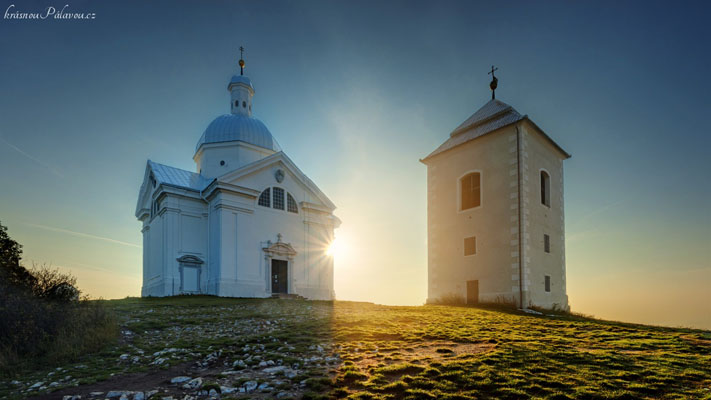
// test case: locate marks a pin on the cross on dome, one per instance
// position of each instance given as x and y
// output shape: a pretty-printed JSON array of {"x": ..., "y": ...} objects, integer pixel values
[{"x": 241, "y": 60}]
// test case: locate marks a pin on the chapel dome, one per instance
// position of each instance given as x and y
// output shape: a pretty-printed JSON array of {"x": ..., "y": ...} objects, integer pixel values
[{"x": 235, "y": 127}]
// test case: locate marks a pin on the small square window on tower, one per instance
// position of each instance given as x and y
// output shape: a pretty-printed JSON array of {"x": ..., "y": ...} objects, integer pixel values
[
  {"x": 548, "y": 283},
  {"x": 546, "y": 243},
  {"x": 470, "y": 246}
]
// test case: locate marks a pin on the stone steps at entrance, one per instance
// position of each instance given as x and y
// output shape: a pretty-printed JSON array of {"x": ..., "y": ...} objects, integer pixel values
[{"x": 287, "y": 296}]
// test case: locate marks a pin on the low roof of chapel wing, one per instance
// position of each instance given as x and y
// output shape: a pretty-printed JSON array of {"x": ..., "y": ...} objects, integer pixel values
[
  {"x": 279, "y": 157},
  {"x": 493, "y": 115},
  {"x": 178, "y": 177},
  {"x": 170, "y": 176}
]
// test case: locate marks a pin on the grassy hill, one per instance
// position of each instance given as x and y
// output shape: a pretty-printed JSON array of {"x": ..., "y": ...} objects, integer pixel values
[{"x": 248, "y": 348}]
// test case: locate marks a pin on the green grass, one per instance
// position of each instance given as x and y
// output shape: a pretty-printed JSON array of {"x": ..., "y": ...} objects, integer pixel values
[{"x": 428, "y": 352}]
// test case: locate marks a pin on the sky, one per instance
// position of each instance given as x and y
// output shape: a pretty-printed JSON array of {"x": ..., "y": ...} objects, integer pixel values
[{"x": 356, "y": 92}]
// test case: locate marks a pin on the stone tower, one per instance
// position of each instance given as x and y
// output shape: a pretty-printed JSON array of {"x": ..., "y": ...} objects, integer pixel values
[{"x": 495, "y": 220}]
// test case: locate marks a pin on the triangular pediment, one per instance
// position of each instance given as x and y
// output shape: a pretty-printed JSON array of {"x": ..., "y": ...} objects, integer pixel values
[{"x": 281, "y": 161}]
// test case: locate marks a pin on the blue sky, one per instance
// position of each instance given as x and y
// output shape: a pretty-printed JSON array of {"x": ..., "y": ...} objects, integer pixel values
[{"x": 356, "y": 93}]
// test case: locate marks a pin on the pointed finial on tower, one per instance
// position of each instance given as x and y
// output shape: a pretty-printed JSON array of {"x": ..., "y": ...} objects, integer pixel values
[
  {"x": 493, "y": 83},
  {"x": 241, "y": 60}
]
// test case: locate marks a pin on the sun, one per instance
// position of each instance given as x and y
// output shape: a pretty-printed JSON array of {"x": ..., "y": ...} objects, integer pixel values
[{"x": 336, "y": 248}]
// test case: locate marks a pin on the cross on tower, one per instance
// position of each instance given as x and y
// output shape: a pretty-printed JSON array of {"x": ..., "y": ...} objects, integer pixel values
[
  {"x": 241, "y": 60},
  {"x": 279, "y": 237},
  {"x": 493, "y": 83}
]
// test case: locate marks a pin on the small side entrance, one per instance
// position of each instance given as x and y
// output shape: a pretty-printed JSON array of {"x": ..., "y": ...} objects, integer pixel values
[
  {"x": 473, "y": 292},
  {"x": 190, "y": 270},
  {"x": 279, "y": 276}
]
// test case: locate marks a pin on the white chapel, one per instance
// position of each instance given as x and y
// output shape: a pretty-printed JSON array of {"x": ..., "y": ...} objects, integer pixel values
[
  {"x": 495, "y": 220},
  {"x": 248, "y": 223}
]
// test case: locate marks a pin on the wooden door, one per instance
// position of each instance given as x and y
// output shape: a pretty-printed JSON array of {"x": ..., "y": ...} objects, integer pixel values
[
  {"x": 279, "y": 276},
  {"x": 472, "y": 292}
]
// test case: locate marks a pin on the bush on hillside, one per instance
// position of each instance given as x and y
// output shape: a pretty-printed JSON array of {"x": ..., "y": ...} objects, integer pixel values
[
  {"x": 44, "y": 319},
  {"x": 51, "y": 284}
]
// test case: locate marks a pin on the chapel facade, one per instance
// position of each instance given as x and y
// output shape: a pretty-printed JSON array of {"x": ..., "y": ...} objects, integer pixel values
[
  {"x": 495, "y": 220},
  {"x": 247, "y": 223}
]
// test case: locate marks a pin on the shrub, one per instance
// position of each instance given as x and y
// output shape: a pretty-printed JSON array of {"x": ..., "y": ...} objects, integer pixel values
[
  {"x": 11, "y": 272},
  {"x": 51, "y": 284},
  {"x": 44, "y": 320}
]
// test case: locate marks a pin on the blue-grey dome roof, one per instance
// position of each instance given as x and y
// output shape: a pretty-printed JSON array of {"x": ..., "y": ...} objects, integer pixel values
[
  {"x": 240, "y": 79},
  {"x": 232, "y": 127}
]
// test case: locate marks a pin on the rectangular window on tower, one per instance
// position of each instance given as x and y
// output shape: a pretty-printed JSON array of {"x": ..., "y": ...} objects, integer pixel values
[
  {"x": 548, "y": 283},
  {"x": 546, "y": 243},
  {"x": 470, "y": 191},
  {"x": 470, "y": 246}
]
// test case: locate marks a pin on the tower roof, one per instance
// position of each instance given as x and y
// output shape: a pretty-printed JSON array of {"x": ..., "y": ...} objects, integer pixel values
[
  {"x": 493, "y": 115},
  {"x": 494, "y": 111},
  {"x": 237, "y": 79}
]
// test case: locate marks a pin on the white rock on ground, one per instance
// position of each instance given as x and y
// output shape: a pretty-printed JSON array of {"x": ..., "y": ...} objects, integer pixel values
[
  {"x": 227, "y": 389},
  {"x": 193, "y": 384},
  {"x": 274, "y": 370},
  {"x": 180, "y": 379},
  {"x": 250, "y": 385},
  {"x": 117, "y": 393}
]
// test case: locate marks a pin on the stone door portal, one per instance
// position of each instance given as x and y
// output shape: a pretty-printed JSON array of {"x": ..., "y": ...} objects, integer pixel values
[
  {"x": 279, "y": 276},
  {"x": 190, "y": 269},
  {"x": 472, "y": 292}
]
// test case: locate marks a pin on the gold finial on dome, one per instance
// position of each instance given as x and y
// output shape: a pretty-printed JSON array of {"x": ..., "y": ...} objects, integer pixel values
[{"x": 241, "y": 60}]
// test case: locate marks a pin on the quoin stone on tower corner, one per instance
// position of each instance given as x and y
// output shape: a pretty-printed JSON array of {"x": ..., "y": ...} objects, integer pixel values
[
  {"x": 495, "y": 215},
  {"x": 247, "y": 223}
]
